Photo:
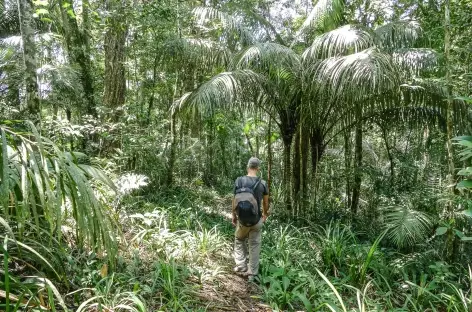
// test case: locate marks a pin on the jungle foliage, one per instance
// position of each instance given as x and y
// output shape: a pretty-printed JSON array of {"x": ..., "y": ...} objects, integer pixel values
[{"x": 125, "y": 123}]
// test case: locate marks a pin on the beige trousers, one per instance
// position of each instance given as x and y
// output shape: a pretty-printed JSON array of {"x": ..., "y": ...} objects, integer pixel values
[{"x": 247, "y": 246}]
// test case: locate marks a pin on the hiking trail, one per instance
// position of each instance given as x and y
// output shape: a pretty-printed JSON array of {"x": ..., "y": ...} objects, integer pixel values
[{"x": 230, "y": 291}]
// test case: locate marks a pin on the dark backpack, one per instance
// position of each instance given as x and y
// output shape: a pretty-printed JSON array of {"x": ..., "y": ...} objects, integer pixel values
[{"x": 246, "y": 204}]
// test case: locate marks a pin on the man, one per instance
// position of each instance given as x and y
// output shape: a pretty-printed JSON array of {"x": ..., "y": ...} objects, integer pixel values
[{"x": 250, "y": 234}]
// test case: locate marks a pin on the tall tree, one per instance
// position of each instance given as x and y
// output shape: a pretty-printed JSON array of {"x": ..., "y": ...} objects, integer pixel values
[
  {"x": 25, "y": 13},
  {"x": 77, "y": 46},
  {"x": 115, "y": 56},
  {"x": 449, "y": 213}
]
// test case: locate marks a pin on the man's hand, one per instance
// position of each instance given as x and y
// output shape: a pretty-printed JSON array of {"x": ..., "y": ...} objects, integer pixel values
[{"x": 234, "y": 221}]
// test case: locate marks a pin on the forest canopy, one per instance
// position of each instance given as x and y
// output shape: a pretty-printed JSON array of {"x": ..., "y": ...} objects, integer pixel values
[{"x": 124, "y": 125}]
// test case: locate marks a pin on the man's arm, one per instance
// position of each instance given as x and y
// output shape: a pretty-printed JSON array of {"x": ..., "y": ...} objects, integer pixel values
[
  {"x": 233, "y": 210},
  {"x": 234, "y": 218},
  {"x": 265, "y": 207}
]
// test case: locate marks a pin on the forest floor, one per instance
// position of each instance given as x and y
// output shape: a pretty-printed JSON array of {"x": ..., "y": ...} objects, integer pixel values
[
  {"x": 196, "y": 241},
  {"x": 230, "y": 291}
]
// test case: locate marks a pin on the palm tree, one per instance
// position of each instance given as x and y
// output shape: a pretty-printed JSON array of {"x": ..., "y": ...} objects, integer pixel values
[
  {"x": 262, "y": 77},
  {"x": 345, "y": 77}
]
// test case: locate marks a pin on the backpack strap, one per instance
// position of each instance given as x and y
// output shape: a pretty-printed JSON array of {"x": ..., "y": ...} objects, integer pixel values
[
  {"x": 256, "y": 184},
  {"x": 240, "y": 188}
]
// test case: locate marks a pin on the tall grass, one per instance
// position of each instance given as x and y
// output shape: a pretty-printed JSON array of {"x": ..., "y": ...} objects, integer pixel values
[
  {"x": 177, "y": 246},
  {"x": 46, "y": 186}
]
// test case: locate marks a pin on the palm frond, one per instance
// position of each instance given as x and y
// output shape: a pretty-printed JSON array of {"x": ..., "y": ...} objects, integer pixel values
[
  {"x": 433, "y": 93},
  {"x": 12, "y": 41},
  {"x": 204, "y": 15},
  {"x": 6, "y": 55},
  {"x": 323, "y": 13},
  {"x": 267, "y": 55},
  {"x": 226, "y": 90},
  {"x": 356, "y": 76},
  {"x": 199, "y": 52},
  {"x": 399, "y": 34},
  {"x": 415, "y": 61},
  {"x": 341, "y": 41},
  {"x": 418, "y": 116},
  {"x": 62, "y": 77},
  {"x": 406, "y": 226},
  {"x": 40, "y": 184}
]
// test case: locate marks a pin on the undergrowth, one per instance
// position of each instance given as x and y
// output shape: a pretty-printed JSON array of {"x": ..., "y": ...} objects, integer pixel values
[{"x": 177, "y": 245}]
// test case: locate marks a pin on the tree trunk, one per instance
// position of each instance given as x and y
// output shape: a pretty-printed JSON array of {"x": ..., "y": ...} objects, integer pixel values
[
  {"x": 287, "y": 140},
  {"x": 209, "y": 173},
  {"x": 173, "y": 147},
  {"x": 115, "y": 80},
  {"x": 304, "y": 152},
  {"x": 151, "y": 99},
  {"x": 86, "y": 26},
  {"x": 425, "y": 152},
  {"x": 223, "y": 157},
  {"x": 288, "y": 126},
  {"x": 25, "y": 13},
  {"x": 317, "y": 150},
  {"x": 76, "y": 47},
  {"x": 389, "y": 154},
  {"x": 449, "y": 209},
  {"x": 347, "y": 166},
  {"x": 296, "y": 174},
  {"x": 173, "y": 133},
  {"x": 269, "y": 154},
  {"x": 356, "y": 189}
]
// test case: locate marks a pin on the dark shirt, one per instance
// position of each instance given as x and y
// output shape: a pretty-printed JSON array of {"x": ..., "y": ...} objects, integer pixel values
[{"x": 259, "y": 192}]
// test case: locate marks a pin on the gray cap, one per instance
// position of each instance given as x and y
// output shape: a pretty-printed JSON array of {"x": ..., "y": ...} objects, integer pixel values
[{"x": 253, "y": 163}]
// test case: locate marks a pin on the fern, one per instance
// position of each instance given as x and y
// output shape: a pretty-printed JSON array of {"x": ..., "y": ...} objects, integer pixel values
[{"x": 406, "y": 227}]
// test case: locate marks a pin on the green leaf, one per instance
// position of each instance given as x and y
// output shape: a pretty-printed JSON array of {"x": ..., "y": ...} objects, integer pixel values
[
  {"x": 247, "y": 128},
  {"x": 42, "y": 11},
  {"x": 464, "y": 98},
  {"x": 40, "y": 2},
  {"x": 459, "y": 233},
  {"x": 463, "y": 138},
  {"x": 5, "y": 224},
  {"x": 71, "y": 13},
  {"x": 465, "y": 184},
  {"x": 467, "y": 213},
  {"x": 466, "y": 238},
  {"x": 336, "y": 293},
  {"x": 274, "y": 137},
  {"x": 370, "y": 256},
  {"x": 465, "y": 172},
  {"x": 5, "y": 266},
  {"x": 4, "y": 173},
  {"x": 306, "y": 302},
  {"x": 441, "y": 230}
]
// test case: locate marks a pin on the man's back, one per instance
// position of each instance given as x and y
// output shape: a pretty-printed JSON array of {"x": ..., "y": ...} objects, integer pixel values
[{"x": 250, "y": 181}]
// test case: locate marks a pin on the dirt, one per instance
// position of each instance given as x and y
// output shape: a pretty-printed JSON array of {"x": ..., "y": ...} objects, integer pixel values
[{"x": 231, "y": 292}]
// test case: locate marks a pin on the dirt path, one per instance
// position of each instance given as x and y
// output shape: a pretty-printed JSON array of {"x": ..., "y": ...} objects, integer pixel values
[
  {"x": 229, "y": 291},
  {"x": 232, "y": 293}
]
